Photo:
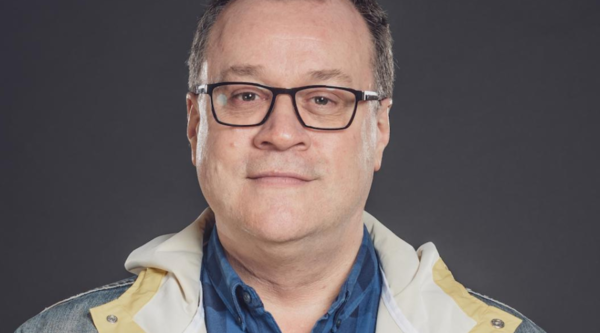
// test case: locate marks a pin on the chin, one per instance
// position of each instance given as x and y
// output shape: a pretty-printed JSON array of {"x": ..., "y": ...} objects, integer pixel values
[{"x": 280, "y": 225}]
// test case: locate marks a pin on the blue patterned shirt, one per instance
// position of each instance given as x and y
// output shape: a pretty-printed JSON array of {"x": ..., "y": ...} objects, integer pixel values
[{"x": 231, "y": 306}]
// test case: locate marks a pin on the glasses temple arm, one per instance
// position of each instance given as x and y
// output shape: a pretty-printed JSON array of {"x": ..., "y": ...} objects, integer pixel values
[
  {"x": 200, "y": 89},
  {"x": 370, "y": 96}
]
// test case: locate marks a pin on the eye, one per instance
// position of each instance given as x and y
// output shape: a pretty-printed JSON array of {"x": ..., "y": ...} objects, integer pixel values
[
  {"x": 247, "y": 96},
  {"x": 320, "y": 100}
]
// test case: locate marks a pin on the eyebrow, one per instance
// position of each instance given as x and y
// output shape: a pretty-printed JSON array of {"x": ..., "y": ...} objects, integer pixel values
[
  {"x": 254, "y": 71},
  {"x": 242, "y": 70},
  {"x": 326, "y": 75}
]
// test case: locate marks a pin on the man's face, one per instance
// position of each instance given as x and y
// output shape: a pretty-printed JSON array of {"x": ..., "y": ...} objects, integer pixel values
[{"x": 281, "y": 181}]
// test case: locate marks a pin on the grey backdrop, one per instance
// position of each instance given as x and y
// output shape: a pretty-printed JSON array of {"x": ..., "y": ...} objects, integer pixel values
[{"x": 494, "y": 151}]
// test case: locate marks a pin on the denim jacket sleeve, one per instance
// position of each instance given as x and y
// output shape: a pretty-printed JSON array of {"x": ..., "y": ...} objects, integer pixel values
[
  {"x": 72, "y": 315},
  {"x": 527, "y": 326}
]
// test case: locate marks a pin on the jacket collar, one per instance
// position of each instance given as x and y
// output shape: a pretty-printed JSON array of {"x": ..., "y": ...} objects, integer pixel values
[{"x": 419, "y": 294}]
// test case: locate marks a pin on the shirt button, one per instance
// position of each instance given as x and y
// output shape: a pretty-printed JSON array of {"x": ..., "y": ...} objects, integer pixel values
[
  {"x": 112, "y": 319},
  {"x": 247, "y": 297},
  {"x": 338, "y": 323},
  {"x": 238, "y": 320},
  {"x": 497, "y": 323}
]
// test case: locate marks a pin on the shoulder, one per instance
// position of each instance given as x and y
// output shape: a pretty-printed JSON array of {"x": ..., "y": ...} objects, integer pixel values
[
  {"x": 72, "y": 314},
  {"x": 527, "y": 326}
]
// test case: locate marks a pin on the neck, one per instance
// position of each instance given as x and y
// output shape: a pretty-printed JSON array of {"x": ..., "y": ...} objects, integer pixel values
[{"x": 298, "y": 277}]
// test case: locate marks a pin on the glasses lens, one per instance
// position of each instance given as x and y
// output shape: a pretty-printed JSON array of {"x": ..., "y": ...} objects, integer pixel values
[
  {"x": 241, "y": 104},
  {"x": 324, "y": 107}
]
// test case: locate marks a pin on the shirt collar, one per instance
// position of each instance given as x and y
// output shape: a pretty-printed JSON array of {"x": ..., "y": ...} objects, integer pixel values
[
  {"x": 362, "y": 280},
  {"x": 230, "y": 287},
  {"x": 222, "y": 276}
]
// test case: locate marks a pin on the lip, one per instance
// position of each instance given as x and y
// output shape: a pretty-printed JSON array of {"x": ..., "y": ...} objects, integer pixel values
[{"x": 280, "y": 178}]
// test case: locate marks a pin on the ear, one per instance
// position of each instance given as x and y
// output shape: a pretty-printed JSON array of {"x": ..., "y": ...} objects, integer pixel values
[
  {"x": 193, "y": 123},
  {"x": 383, "y": 130}
]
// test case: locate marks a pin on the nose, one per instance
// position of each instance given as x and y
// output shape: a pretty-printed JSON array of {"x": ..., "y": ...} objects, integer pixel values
[{"x": 282, "y": 130}]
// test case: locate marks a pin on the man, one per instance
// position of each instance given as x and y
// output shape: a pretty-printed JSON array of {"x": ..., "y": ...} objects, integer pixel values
[{"x": 286, "y": 245}]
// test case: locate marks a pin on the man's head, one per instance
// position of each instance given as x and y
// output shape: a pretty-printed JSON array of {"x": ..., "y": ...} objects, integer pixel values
[
  {"x": 281, "y": 181},
  {"x": 372, "y": 13}
]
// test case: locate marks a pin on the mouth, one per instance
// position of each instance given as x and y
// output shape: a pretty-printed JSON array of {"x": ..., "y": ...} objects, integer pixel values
[{"x": 280, "y": 178}]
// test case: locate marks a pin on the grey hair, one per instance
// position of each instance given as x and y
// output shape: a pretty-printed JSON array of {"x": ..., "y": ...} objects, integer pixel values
[{"x": 370, "y": 10}]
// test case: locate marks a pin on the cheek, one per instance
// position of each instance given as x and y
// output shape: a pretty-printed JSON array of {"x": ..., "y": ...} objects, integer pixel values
[
  {"x": 223, "y": 157},
  {"x": 348, "y": 154},
  {"x": 222, "y": 167},
  {"x": 356, "y": 164},
  {"x": 201, "y": 144},
  {"x": 223, "y": 152},
  {"x": 368, "y": 139}
]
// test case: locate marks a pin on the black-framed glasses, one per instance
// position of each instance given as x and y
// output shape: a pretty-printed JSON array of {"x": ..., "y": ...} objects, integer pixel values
[{"x": 245, "y": 104}]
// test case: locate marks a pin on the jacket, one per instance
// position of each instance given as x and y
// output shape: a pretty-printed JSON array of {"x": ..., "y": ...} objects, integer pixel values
[{"x": 419, "y": 294}]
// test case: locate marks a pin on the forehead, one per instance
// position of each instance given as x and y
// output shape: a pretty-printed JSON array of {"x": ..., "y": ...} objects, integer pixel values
[{"x": 287, "y": 41}]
